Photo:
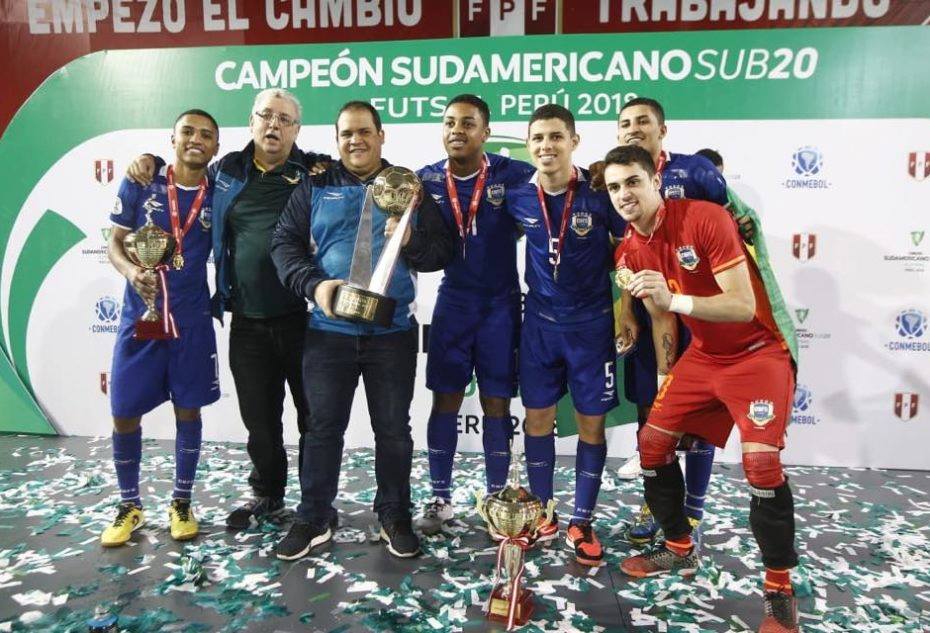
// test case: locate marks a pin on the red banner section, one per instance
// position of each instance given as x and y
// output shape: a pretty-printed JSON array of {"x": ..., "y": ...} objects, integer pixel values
[
  {"x": 624, "y": 16},
  {"x": 39, "y": 36}
]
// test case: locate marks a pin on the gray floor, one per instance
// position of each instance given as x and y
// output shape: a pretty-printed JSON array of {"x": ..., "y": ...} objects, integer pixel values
[{"x": 863, "y": 535}]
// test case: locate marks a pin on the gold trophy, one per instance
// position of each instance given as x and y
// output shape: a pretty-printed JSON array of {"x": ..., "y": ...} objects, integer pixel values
[
  {"x": 514, "y": 513},
  {"x": 363, "y": 299},
  {"x": 149, "y": 248}
]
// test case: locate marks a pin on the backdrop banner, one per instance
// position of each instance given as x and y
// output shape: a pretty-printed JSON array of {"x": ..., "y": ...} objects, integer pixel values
[{"x": 825, "y": 132}]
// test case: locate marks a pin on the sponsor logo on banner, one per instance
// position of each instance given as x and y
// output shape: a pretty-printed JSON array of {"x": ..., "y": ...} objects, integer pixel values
[
  {"x": 910, "y": 325},
  {"x": 807, "y": 335},
  {"x": 106, "y": 311},
  {"x": 807, "y": 164},
  {"x": 914, "y": 259},
  {"x": 105, "y": 382},
  {"x": 761, "y": 412},
  {"x": 802, "y": 410},
  {"x": 905, "y": 405},
  {"x": 804, "y": 246},
  {"x": 99, "y": 252},
  {"x": 103, "y": 171},
  {"x": 918, "y": 165},
  {"x": 688, "y": 258},
  {"x": 481, "y": 18}
]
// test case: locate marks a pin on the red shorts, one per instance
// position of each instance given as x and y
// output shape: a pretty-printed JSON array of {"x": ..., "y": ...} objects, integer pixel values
[{"x": 704, "y": 396}]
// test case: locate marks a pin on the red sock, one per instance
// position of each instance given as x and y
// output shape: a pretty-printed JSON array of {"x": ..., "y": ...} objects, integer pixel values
[
  {"x": 680, "y": 546},
  {"x": 778, "y": 580}
]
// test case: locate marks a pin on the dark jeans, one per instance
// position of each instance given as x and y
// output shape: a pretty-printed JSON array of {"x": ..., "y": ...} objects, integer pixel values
[
  {"x": 263, "y": 354},
  {"x": 332, "y": 365}
]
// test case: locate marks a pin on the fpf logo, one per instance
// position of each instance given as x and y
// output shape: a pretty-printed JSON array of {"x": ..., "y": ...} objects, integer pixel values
[
  {"x": 103, "y": 171},
  {"x": 802, "y": 409},
  {"x": 105, "y": 382},
  {"x": 807, "y": 163},
  {"x": 910, "y": 325},
  {"x": 918, "y": 165},
  {"x": 905, "y": 405},
  {"x": 804, "y": 246},
  {"x": 107, "y": 311}
]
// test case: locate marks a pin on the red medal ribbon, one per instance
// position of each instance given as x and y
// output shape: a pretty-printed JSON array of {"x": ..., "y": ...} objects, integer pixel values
[
  {"x": 660, "y": 164},
  {"x": 460, "y": 221},
  {"x": 566, "y": 211},
  {"x": 176, "y": 229},
  {"x": 171, "y": 329}
]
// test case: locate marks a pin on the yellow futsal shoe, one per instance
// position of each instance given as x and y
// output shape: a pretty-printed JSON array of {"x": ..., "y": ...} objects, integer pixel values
[
  {"x": 128, "y": 519},
  {"x": 183, "y": 523}
]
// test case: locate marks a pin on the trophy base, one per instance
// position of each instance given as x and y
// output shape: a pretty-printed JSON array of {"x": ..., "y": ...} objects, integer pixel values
[
  {"x": 500, "y": 607},
  {"x": 363, "y": 306},
  {"x": 151, "y": 331}
]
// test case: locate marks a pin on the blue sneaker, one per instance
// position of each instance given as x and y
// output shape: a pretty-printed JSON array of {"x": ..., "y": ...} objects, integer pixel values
[{"x": 644, "y": 528}]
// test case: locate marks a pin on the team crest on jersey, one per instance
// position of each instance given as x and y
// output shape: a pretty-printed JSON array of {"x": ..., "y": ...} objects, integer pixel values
[
  {"x": 206, "y": 218},
  {"x": 674, "y": 192},
  {"x": 495, "y": 194},
  {"x": 118, "y": 206},
  {"x": 582, "y": 223},
  {"x": 688, "y": 258},
  {"x": 761, "y": 412}
]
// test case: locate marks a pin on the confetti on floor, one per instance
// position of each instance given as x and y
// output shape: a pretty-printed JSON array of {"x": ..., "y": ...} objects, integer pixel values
[{"x": 863, "y": 537}]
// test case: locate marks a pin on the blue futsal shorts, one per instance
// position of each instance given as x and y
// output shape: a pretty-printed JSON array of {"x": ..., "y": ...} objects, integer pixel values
[
  {"x": 147, "y": 373},
  {"x": 482, "y": 340},
  {"x": 580, "y": 359},
  {"x": 639, "y": 366}
]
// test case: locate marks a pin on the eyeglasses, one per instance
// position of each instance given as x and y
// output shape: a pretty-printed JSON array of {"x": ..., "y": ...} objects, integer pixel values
[{"x": 268, "y": 117}]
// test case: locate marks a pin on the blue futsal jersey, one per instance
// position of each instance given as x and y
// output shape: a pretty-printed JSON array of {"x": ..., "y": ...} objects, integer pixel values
[
  {"x": 692, "y": 176},
  {"x": 582, "y": 291},
  {"x": 187, "y": 288},
  {"x": 487, "y": 268}
]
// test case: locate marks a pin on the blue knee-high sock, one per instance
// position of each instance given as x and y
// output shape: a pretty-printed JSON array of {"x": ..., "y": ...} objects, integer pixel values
[
  {"x": 186, "y": 455},
  {"x": 441, "y": 439},
  {"x": 127, "y": 453},
  {"x": 589, "y": 466},
  {"x": 699, "y": 462},
  {"x": 495, "y": 435},
  {"x": 540, "y": 465}
]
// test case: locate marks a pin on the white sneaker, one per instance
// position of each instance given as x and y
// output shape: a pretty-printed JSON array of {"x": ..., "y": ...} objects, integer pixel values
[
  {"x": 631, "y": 469},
  {"x": 435, "y": 513}
]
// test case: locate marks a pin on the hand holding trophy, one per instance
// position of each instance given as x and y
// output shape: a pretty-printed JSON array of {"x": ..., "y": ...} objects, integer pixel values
[
  {"x": 514, "y": 513},
  {"x": 396, "y": 190},
  {"x": 150, "y": 248}
]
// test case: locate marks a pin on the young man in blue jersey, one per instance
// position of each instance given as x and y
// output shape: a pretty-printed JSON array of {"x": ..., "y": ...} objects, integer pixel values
[
  {"x": 642, "y": 123},
  {"x": 567, "y": 338},
  {"x": 476, "y": 320},
  {"x": 183, "y": 368},
  {"x": 312, "y": 249}
]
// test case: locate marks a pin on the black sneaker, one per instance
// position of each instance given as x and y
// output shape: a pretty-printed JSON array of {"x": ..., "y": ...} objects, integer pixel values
[
  {"x": 252, "y": 511},
  {"x": 301, "y": 538},
  {"x": 400, "y": 539}
]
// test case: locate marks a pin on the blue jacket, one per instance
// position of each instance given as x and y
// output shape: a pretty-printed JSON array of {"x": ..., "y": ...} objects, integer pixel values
[
  {"x": 315, "y": 239},
  {"x": 229, "y": 176}
]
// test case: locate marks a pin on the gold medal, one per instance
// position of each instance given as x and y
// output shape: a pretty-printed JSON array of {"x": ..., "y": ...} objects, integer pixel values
[
  {"x": 624, "y": 277},
  {"x": 178, "y": 261}
]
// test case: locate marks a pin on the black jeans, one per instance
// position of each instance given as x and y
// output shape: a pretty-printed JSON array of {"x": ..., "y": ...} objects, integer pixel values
[
  {"x": 332, "y": 365},
  {"x": 263, "y": 354}
]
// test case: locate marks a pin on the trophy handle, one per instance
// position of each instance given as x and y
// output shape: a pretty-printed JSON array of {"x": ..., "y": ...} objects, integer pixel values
[{"x": 547, "y": 514}]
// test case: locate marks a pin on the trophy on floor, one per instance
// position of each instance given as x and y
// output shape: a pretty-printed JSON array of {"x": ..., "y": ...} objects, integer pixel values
[
  {"x": 363, "y": 298},
  {"x": 514, "y": 513},
  {"x": 150, "y": 248}
]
